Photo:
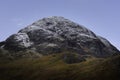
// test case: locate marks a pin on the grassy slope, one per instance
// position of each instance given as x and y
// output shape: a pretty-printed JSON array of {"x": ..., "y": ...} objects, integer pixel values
[{"x": 53, "y": 68}]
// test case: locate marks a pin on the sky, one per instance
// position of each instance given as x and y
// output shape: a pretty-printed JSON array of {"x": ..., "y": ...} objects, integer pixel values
[{"x": 100, "y": 16}]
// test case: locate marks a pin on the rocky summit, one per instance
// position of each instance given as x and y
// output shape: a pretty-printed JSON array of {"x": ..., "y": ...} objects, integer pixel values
[{"x": 56, "y": 34}]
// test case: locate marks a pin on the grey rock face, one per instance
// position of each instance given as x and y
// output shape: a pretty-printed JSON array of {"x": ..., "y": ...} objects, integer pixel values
[
  {"x": 18, "y": 41},
  {"x": 54, "y": 34}
]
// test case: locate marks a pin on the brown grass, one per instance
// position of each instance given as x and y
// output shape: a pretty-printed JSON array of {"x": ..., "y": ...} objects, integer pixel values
[{"x": 52, "y": 67}]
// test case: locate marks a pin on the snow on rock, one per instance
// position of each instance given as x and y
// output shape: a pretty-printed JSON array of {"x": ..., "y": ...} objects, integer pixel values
[{"x": 19, "y": 40}]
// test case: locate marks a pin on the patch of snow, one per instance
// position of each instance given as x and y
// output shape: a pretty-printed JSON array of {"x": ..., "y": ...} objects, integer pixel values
[
  {"x": 23, "y": 39},
  {"x": 89, "y": 36},
  {"x": 52, "y": 45}
]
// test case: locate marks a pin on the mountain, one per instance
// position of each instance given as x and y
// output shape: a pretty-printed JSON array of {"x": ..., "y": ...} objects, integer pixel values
[
  {"x": 56, "y": 34},
  {"x": 55, "y": 48}
]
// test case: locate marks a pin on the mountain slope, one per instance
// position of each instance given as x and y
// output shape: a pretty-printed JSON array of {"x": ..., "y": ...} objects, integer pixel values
[
  {"x": 56, "y": 34},
  {"x": 52, "y": 67}
]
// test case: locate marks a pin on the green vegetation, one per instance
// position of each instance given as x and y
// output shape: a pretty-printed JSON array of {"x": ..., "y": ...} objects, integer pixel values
[{"x": 53, "y": 67}]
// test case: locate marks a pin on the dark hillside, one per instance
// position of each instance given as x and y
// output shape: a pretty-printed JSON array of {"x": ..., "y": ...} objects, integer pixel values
[{"x": 52, "y": 67}]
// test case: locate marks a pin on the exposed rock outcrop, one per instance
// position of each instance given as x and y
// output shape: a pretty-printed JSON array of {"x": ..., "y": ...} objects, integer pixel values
[{"x": 18, "y": 42}]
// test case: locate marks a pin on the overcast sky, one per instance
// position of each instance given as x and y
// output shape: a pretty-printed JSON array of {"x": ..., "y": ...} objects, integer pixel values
[{"x": 100, "y": 16}]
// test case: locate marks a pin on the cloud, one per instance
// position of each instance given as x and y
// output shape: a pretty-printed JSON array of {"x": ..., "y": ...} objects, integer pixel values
[
  {"x": 20, "y": 24},
  {"x": 17, "y": 21}
]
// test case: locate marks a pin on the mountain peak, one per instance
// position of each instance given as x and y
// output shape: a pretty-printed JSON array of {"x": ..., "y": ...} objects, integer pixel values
[{"x": 56, "y": 34}]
